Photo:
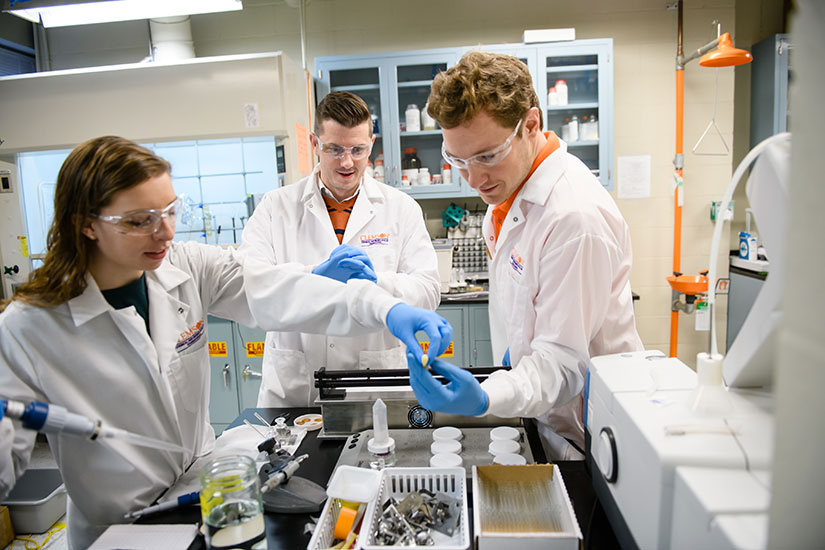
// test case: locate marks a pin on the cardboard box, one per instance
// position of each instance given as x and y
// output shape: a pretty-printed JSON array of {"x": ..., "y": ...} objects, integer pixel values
[
  {"x": 6, "y": 532},
  {"x": 536, "y": 514}
]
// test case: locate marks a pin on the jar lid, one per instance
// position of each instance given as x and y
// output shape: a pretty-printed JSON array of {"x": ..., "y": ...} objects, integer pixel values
[
  {"x": 503, "y": 446},
  {"x": 412, "y": 106},
  {"x": 445, "y": 460},
  {"x": 410, "y": 150},
  {"x": 507, "y": 459},
  {"x": 505, "y": 432},
  {"x": 445, "y": 446},
  {"x": 447, "y": 432},
  {"x": 561, "y": 82}
]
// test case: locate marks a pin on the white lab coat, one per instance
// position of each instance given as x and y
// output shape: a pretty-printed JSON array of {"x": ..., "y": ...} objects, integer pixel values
[
  {"x": 291, "y": 226},
  {"x": 559, "y": 294},
  {"x": 100, "y": 362}
]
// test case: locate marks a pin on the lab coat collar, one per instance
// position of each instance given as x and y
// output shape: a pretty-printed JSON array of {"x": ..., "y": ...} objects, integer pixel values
[
  {"x": 91, "y": 302},
  {"x": 169, "y": 276},
  {"x": 538, "y": 188},
  {"x": 369, "y": 187}
]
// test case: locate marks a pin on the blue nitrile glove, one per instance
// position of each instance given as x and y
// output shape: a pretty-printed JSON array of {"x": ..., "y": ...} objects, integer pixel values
[
  {"x": 347, "y": 262},
  {"x": 404, "y": 321},
  {"x": 505, "y": 361},
  {"x": 462, "y": 395}
]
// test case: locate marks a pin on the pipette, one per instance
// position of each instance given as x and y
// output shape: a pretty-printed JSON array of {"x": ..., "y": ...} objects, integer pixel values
[
  {"x": 283, "y": 474},
  {"x": 55, "y": 419},
  {"x": 184, "y": 500},
  {"x": 382, "y": 446}
]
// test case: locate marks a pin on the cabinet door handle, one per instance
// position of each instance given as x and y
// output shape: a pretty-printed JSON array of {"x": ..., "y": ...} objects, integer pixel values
[
  {"x": 393, "y": 181},
  {"x": 226, "y": 376},
  {"x": 475, "y": 356},
  {"x": 249, "y": 372}
]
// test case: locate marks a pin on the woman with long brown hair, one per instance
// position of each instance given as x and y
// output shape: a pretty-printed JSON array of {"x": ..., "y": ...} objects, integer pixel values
[{"x": 113, "y": 327}]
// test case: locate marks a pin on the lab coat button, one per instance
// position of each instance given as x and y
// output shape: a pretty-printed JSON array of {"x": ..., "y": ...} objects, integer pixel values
[
  {"x": 180, "y": 310},
  {"x": 515, "y": 219},
  {"x": 332, "y": 345}
]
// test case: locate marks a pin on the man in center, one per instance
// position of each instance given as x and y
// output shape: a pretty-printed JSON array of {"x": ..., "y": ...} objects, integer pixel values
[{"x": 340, "y": 223}]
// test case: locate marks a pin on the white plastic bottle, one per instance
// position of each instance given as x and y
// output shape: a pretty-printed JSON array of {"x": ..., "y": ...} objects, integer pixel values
[
  {"x": 424, "y": 176},
  {"x": 446, "y": 174},
  {"x": 413, "y": 118},
  {"x": 427, "y": 122},
  {"x": 552, "y": 97},
  {"x": 561, "y": 91},
  {"x": 573, "y": 129},
  {"x": 378, "y": 171}
]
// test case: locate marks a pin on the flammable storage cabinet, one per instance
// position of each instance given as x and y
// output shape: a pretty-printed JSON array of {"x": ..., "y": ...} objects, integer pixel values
[
  {"x": 392, "y": 83},
  {"x": 471, "y": 345},
  {"x": 235, "y": 363}
]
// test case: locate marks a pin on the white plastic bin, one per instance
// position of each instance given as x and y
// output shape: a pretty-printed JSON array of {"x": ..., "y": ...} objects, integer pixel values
[
  {"x": 37, "y": 501},
  {"x": 399, "y": 482}
]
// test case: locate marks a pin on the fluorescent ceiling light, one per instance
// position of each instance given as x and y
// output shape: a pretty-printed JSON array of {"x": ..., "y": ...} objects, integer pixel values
[{"x": 121, "y": 10}]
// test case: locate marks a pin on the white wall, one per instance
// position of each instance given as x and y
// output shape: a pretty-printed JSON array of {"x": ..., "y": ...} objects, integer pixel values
[{"x": 644, "y": 34}]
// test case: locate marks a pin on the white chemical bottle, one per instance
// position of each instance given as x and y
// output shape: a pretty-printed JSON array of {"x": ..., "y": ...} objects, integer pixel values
[
  {"x": 561, "y": 92},
  {"x": 427, "y": 122},
  {"x": 573, "y": 129},
  {"x": 413, "y": 118}
]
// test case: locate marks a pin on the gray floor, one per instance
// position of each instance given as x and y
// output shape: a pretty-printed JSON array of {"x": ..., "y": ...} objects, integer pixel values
[{"x": 42, "y": 458}]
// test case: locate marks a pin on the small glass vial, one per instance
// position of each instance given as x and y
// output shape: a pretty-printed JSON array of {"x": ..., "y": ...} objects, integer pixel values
[
  {"x": 381, "y": 456},
  {"x": 282, "y": 432},
  {"x": 231, "y": 506}
]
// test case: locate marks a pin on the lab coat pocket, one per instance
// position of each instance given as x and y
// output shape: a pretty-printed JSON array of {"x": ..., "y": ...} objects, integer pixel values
[
  {"x": 285, "y": 377},
  {"x": 383, "y": 258},
  {"x": 189, "y": 373},
  {"x": 393, "y": 358}
]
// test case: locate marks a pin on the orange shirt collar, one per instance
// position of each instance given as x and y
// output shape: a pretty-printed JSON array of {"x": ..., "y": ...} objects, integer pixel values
[{"x": 500, "y": 211}]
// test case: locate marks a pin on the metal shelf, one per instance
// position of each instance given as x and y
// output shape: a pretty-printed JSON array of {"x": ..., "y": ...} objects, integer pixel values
[
  {"x": 573, "y": 68},
  {"x": 582, "y": 143},
  {"x": 355, "y": 88},
  {"x": 415, "y": 84},
  {"x": 422, "y": 133},
  {"x": 573, "y": 106}
]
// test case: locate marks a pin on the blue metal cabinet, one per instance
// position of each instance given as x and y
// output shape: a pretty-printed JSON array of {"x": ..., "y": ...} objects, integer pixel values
[
  {"x": 235, "y": 360},
  {"x": 456, "y": 315},
  {"x": 249, "y": 353},
  {"x": 481, "y": 350},
  {"x": 223, "y": 393}
]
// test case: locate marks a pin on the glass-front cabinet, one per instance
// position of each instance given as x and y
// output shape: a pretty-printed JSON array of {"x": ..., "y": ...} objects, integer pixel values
[
  {"x": 573, "y": 80},
  {"x": 407, "y": 150}
]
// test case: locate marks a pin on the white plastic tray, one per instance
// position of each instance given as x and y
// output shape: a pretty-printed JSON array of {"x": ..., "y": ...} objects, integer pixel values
[{"x": 399, "y": 482}]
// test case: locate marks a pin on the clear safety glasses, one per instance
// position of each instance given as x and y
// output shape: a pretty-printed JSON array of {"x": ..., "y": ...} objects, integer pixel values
[
  {"x": 357, "y": 152},
  {"x": 145, "y": 222},
  {"x": 488, "y": 158}
]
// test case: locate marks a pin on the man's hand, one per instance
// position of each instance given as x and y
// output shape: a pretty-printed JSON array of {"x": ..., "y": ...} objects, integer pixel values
[
  {"x": 404, "y": 321},
  {"x": 462, "y": 395},
  {"x": 347, "y": 262}
]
